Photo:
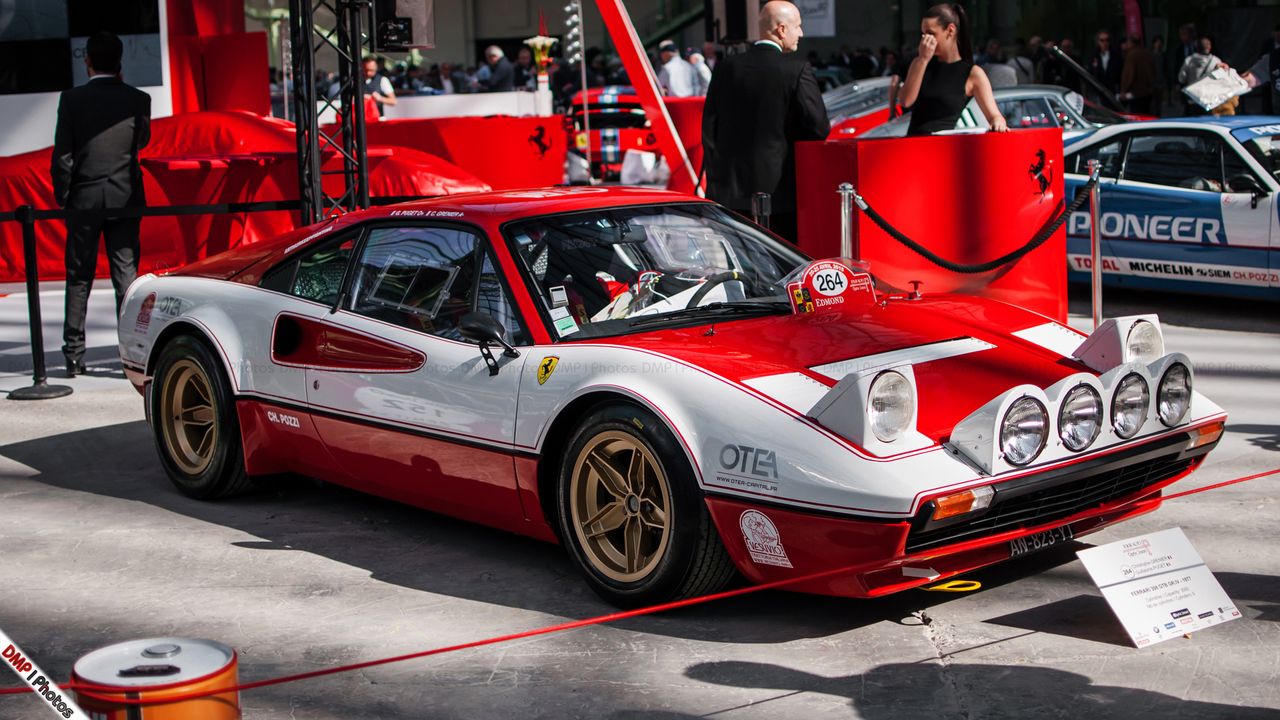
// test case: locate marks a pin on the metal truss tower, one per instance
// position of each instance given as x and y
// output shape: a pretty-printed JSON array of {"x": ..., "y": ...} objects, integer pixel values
[{"x": 344, "y": 144}]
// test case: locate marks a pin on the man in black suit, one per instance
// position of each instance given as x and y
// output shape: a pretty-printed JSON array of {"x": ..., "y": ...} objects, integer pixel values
[
  {"x": 1106, "y": 64},
  {"x": 759, "y": 104},
  {"x": 101, "y": 126}
]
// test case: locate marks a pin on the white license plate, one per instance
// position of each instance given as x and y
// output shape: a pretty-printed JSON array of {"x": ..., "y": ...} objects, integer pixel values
[{"x": 1040, "y": 541}]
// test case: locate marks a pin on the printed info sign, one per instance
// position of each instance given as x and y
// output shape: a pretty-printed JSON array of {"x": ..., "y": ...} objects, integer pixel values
[
  {"x": 1158, "y": 586},
  {"x": 819, "y": 17}
]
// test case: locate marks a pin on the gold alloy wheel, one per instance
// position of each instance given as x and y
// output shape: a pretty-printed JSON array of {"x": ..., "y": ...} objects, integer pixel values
[
  {"x": 190, "y": 433},
  {"x": 619, "y": 499}
]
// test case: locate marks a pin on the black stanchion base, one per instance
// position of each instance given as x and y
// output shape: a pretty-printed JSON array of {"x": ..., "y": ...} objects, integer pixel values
[{"x": 40, "y": 391}]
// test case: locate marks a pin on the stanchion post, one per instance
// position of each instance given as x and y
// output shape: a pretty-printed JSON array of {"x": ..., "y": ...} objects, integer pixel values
[
  {"x": 1095, "y": 241},
  {"x": 39, "y": 388},
  {"x": 761, "y": 208},
  {"x": 846, "y": 220}
]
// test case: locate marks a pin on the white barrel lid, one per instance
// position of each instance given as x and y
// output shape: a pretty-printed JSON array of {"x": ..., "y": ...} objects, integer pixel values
[{"x": 152, "y": 662}]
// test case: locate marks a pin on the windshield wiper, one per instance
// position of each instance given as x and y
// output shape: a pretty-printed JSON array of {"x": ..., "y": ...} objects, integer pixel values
[{"x": 712, "y": 310}]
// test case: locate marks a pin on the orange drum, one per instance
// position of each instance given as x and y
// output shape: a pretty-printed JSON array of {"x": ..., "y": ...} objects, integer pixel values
[{"x": 157, "y": 670}]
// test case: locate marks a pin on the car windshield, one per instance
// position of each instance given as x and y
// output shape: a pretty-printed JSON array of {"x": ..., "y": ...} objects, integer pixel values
[
  {"x": 1099, "y": 115},
  {"x": 615, "y": 271},
  {"x": 1266, "y": 150}
]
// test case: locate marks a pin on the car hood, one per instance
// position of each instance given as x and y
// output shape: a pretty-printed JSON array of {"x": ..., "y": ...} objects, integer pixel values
[{"x": 951, "y": 383}]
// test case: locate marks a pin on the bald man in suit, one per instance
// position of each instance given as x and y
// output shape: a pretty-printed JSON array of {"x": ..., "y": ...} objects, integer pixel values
[{"x": 760, "y": 103}]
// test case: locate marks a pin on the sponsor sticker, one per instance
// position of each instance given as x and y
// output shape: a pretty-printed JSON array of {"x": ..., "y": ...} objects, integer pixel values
[
  {"x": 763, "y": 541},
  {"x": 143, "y": 321},
  {"x": 36, "y": 679},
  {"x": 170, "y": 306},
  {"x": 546, "y": 367},
  {"x": 1179, "y": 270},
  {"x": 748, "y": 468},
  {"x": 563, "y": 321}
]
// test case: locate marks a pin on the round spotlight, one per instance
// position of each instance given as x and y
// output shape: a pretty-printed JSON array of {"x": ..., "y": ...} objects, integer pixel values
[
  {"x": 1173, "y": 398},
  {"x": 1080, "y": 419},
  {"x": 891, "y": 404},
  {"x": 1144, "y": 343},
  {"x": 1129, "y": 405},
  {"x": 1024, "y": 431}
]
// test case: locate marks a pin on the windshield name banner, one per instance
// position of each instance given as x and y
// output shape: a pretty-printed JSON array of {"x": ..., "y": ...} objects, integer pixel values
[{"x": 827, "y": 285}]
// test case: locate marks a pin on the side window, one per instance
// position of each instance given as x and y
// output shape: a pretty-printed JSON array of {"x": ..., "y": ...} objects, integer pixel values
[
  {"x": 1109, "y": 155},
  {"x": 317, "y": 273},
  {"x": 1066, "y": 116},
  {"x": 1028, "y": 113},
  {"x": 1236, "y": 175},
  {"x": 426, "y": 279},
  {"x": 1191, "y": 161}
]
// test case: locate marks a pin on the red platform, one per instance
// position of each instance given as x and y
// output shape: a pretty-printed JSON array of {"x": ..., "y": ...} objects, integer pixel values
[{"x": 968, "y": 198}]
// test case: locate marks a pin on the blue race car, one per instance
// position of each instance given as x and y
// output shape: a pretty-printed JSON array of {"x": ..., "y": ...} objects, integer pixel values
[{"x": 1188, "y": 205}]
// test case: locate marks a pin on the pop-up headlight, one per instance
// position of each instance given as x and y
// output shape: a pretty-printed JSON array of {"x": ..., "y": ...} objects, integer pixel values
[{"x": 1135, "y": 338}]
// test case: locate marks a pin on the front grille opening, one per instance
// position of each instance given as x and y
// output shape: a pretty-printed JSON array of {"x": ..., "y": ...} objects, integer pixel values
[{"x": 1061, "y": 501}]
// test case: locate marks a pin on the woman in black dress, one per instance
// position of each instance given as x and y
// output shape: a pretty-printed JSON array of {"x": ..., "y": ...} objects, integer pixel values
[{"x": 943, "y": 77}]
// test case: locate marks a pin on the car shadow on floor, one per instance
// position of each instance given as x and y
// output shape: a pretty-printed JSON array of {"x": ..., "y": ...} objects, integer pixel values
[
  {"x": 950, "y": 689},
  {"x": 1268, "y": 435},
  {"x": 422, "y": 550}
]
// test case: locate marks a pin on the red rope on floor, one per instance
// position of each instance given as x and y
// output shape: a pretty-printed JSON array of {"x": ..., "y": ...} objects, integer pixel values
[{"x": 92, "y": 691}]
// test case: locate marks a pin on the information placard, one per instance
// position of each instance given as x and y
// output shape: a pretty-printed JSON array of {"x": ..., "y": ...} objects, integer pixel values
[{"x": 1158, "y": 586}]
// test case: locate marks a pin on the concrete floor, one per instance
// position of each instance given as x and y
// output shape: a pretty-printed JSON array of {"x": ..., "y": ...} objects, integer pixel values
[{"x": 98, "y": 548}]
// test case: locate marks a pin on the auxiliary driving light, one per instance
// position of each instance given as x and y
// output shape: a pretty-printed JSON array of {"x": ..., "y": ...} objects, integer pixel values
[
  {"x": 1173, "y": 398},
  {"x": 978, "y": 498},
  {"x": 1080, "y": 419},
  {"x": 1129, "y": 405},
  {"x": 1144, "y": 342},
  {"x": 1024, "y": 431}
]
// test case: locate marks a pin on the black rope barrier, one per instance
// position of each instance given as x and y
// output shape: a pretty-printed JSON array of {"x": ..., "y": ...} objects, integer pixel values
[{"x": 1039, "y": 239}]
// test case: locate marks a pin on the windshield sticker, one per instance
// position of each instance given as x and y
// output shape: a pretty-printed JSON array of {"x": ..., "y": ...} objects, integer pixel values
[{"x": 563, "y": 321}]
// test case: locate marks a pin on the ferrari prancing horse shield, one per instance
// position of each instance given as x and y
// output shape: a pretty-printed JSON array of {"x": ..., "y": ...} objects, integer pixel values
[{"x": 546, "y": 367}]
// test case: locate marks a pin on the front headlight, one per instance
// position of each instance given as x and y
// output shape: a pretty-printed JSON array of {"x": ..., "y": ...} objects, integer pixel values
[
  {"x": 890, "y": 404},
  {"x": 1144, "y": 343},
  {"x": 1024, "y": 431},
  {"x": 1173, "y": 398},
  {"x": 1080, "y": 419},
  {"x": 1129, "y": 405}
]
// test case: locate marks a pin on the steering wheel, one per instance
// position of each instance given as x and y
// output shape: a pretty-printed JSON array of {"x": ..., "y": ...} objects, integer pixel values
[{"x": 715, "y": 281}]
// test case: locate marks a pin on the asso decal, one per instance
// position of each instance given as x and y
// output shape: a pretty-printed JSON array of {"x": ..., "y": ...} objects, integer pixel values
[
  {"x": 749, "y": 468},
  {"x": 827, "y": 284},
  {"x": 143, "y": 322},
  {"x": 1178, "y": 270},
  {"x": 762, "y": 539},
  {"x": 546, "y": 367}
]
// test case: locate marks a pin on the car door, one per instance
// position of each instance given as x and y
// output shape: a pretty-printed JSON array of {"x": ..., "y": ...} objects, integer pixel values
[
  {"x": 1174, "y": 220},
  {"x": 412, "y": 411}
]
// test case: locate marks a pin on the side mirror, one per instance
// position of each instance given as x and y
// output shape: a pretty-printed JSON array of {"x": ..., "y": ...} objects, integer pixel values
[
  {"x": 483, "y": 329},
  {"x": 1247, "y": 183}
]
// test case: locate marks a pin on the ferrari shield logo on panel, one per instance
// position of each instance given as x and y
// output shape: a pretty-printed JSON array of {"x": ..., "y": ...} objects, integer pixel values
[{"x": 546, "y": 367}]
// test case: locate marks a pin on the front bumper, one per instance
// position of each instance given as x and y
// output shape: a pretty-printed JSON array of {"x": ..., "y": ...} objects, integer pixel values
[{"x": 888, "y": 556}]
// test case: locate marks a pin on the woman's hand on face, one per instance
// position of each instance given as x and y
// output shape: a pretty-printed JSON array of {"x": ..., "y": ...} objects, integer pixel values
[{"x": 928, "y": 45}]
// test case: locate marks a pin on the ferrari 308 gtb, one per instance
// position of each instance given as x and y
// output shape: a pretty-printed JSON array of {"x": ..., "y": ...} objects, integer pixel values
[{"x": 662, "y": 387}]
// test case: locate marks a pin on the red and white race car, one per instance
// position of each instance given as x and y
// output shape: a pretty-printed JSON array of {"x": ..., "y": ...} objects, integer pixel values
[{"x": 662, "y": 387}]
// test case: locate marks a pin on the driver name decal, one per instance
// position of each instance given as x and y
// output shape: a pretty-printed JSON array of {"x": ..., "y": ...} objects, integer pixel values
[{"x": 763, "y": 540}]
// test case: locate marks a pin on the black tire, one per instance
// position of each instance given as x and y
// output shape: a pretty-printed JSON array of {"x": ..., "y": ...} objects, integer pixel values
[
  {"x": 185, "y": 368},
  {"x": 692, "y": 561}
]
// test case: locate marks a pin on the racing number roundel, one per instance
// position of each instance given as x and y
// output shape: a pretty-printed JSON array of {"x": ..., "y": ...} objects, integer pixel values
[{"x": 827, "y": 285}]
